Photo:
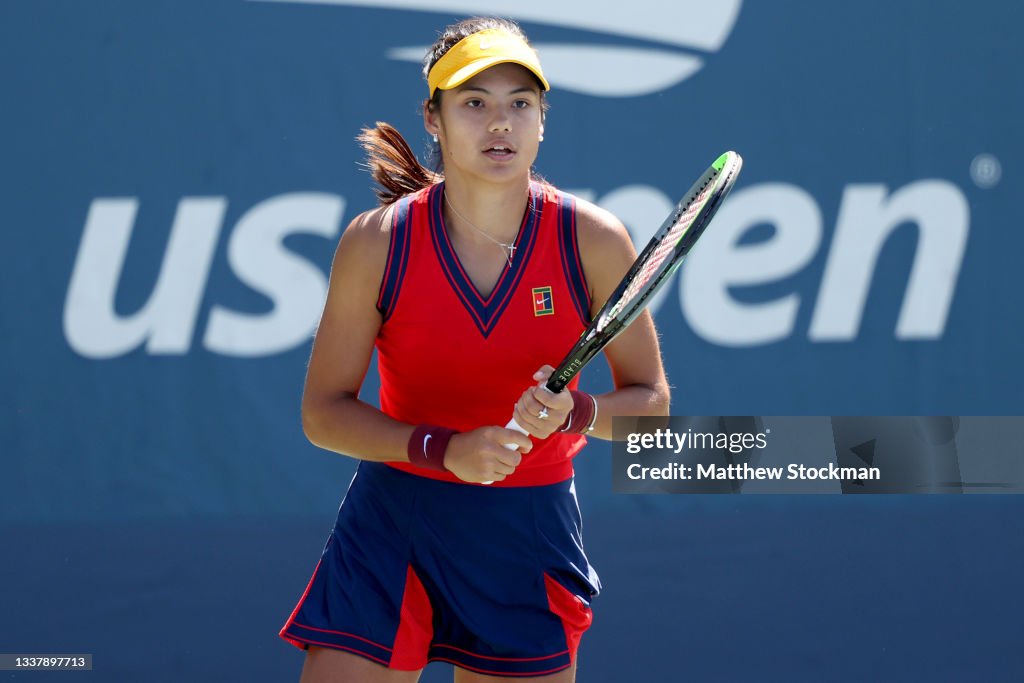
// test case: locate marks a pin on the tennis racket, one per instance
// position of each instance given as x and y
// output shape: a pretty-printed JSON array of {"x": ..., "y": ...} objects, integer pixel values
[{"x": 652, "y": 269}]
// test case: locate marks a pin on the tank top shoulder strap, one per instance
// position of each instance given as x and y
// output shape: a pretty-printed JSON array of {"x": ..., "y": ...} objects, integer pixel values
[
  {"x": 569, "y": 249},
  {"x": 398, "y": 256}
]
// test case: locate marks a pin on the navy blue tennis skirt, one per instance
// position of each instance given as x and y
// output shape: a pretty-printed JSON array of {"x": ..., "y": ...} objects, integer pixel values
[{"x": 493, "y": 580}]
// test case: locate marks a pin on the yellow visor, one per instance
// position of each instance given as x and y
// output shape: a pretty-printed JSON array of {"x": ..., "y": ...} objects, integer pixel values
[{"x": 479, "y": 51}]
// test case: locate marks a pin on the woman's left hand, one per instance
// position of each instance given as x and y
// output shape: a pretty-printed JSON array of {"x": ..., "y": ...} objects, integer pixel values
[{"x": 540, "y": 412}]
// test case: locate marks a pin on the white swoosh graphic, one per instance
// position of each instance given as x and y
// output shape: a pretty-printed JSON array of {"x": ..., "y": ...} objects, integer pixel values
[
  {"x": 695, "y": 24},
  {"x": 425, "y": 440},
  {"x": 612, "y": 71}
]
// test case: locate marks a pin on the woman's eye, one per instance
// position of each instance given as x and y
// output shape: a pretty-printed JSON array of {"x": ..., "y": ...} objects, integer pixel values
[
  {"x": 474, "y": 103},
  {"x": 521, "y": 104}
]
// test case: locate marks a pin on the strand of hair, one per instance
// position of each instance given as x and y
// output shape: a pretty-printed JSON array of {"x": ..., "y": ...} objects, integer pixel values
[{"x": 392, "y": 163}]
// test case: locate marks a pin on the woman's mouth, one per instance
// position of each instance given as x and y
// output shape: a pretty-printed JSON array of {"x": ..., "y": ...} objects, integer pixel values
[{"x": 499, "y": 152}]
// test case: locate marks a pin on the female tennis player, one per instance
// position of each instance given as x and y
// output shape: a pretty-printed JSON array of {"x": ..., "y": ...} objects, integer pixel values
[{"x": 470, "y": 281}]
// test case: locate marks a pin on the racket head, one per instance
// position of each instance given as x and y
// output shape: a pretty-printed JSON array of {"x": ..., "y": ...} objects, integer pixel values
[
  {"x": 668, "y": 247},
  {"x": 653, "y": 268}
]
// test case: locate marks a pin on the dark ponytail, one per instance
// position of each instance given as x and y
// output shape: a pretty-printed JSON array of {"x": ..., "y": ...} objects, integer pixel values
[{"x": 391, "y": 161}]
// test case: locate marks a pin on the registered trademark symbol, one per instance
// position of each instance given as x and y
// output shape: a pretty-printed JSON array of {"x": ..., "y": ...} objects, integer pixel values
[
  {"x": 768, "y": 431},
  {"x": 986, "y": 171}
]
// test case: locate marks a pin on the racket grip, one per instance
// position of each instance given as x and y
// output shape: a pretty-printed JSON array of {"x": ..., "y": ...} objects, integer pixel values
[{"x": 513, "y": 425}]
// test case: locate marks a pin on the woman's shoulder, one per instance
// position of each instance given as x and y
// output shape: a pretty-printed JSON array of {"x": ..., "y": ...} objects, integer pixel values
[
  {"x": 606, "y": 249},
  {"x": 365, "y": 242},
  {"x": 598, "y": 228},
  {"x": 375, "y": 225},
  {"x": 371, "y": 225},
  {"x": 592, "y": 221}
]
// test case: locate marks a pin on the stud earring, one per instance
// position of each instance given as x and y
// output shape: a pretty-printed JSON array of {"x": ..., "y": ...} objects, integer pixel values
[
  {"x": 435, "y": 138},
  {"x": 540, "y": 138}
]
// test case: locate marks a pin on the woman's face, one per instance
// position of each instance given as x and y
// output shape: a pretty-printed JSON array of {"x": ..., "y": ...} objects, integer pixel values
[{"x": 490, "y": 126}]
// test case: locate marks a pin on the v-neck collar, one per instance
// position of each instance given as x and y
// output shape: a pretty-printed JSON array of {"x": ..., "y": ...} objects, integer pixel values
[{"x": 484, "y": 311}]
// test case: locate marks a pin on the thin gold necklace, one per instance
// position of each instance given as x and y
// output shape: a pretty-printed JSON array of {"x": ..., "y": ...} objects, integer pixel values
[{"x": 508, "y": 247}]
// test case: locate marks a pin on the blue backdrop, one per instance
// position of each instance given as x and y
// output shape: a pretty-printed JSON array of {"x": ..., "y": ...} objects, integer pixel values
[{"x": 176, "y": 174}]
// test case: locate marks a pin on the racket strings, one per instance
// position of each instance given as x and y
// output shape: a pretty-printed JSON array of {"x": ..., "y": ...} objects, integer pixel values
[
  {"x": 663, "y": 254},
  {"x": 664, "y": 250}
]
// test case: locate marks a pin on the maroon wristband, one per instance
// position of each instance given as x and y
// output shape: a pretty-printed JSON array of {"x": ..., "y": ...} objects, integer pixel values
[
  {"x": 427, "y": 445},
  {"x": 581, "y": 417}
]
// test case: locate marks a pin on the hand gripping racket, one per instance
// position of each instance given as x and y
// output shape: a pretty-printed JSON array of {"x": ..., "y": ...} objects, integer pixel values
[{"x": 651, "y": 270}]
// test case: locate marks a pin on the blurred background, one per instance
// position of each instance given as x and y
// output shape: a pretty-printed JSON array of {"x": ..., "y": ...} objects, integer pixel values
[{"x": 175, "y": 175}]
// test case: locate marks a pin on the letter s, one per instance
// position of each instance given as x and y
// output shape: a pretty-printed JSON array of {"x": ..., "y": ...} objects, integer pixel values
[{"x": 296, "y": 287}]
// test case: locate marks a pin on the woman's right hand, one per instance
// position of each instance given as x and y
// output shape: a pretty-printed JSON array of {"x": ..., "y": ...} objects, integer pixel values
[{"x": 481, "y": 456}]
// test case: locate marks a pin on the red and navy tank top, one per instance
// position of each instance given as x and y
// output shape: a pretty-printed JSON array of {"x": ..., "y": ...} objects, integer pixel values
[{"x": 451, "y": 357}]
